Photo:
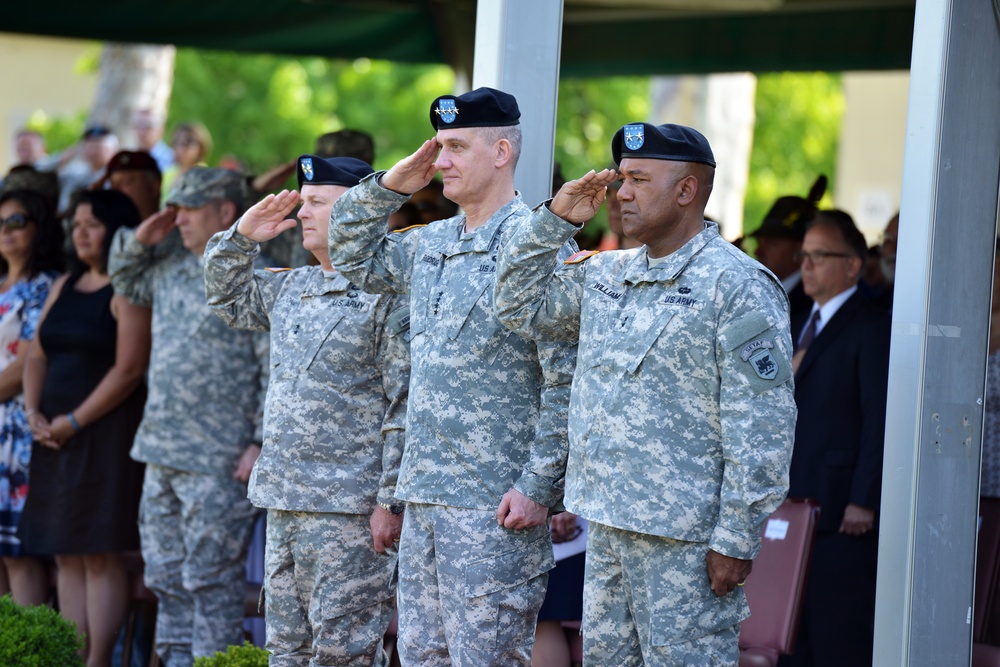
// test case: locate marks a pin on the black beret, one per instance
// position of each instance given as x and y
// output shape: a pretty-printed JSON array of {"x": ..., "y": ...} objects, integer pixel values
[
  {"x": 482, "y": 107},
  {"x": 789, "y": 215},
  {"x": 315, "y": 170},
  {"x": 661, "y": 142}
]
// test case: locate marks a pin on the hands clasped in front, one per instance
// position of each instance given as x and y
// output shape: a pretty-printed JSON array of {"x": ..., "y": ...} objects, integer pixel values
[{"x": 52, "y": 434}]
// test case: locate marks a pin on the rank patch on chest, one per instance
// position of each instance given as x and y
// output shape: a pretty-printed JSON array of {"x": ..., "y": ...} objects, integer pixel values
[{"x": 758, "y": 354}]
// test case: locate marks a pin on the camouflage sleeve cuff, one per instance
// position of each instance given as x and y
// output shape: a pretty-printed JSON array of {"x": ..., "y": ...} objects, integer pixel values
[
  {"x": 376, "y": 178},
  {"x": 131, "y": 247},
  {"x": 733, "y": 544},
  {"x": 244, "y": 243},
  {"x": 539, "y": 489},
  {"x": 554, "y": 227}
]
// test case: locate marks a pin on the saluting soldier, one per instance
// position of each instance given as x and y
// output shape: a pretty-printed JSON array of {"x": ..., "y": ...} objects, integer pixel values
[
  {"x": 333, "y": 426},
  {"x": 683, "y": 415},
  {"x": 201, "y": 429},
  {"x": 485, "y": 444}
]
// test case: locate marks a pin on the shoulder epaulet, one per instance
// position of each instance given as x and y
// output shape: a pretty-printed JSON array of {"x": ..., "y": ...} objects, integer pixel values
[
  {"x": 578, "y": 257},
  {"x": 406, "y": 229},
  {"x": 277, "y": 269}
]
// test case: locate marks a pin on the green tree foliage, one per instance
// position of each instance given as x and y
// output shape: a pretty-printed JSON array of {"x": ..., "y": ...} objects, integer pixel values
[
  {"x": 267, "y": 109},
  {"x": 795, "y": 138}
]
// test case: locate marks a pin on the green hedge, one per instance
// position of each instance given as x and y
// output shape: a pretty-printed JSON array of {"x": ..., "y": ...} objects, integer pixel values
[
  {"x": 247, "y": 655},
  {"x": 37, "y": 637}
]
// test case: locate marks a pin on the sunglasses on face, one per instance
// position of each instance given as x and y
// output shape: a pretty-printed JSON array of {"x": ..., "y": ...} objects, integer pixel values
[{"x": 16, "y": 221}]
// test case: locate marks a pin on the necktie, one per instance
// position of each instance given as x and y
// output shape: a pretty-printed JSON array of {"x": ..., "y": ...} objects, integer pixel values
[
  {"x": 804, "y": 340},
  {"x": 809, "y": 332}
]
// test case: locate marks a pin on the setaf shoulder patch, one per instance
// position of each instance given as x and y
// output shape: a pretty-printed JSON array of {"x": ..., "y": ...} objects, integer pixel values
[
  {"x": 757, "y": 353},
  {"x": 581, "y": 256}
]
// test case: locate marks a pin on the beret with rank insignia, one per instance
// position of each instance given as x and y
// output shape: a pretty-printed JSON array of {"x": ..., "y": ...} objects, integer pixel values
[
  {"x": 346, "y": 171},
  {"x": 661, "y": 142},
  {"x": 482, "y": 107}
]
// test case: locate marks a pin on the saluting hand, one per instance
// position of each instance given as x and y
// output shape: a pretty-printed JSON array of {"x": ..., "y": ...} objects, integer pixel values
[
  {"x": 269, "y": 217},
  {"x": 578, "y": 201},
  {"x": 157, "y": 227},
  {"x": 414, "y": 172}
]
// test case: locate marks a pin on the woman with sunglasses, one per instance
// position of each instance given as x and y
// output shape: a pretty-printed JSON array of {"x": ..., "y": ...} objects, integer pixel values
[
  {"x": 30, "y": 259},
  {"x": 84, "y": 395}
]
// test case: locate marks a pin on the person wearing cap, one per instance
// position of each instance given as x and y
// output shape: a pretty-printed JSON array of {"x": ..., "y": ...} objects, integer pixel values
[
  {"x": 201, "y": 430},
  {"x": 341, "y": 366},
  {"x": 485, "y": 446},
  {"x": 84, "y": 163},
  {"x": 135, "y": 174},
  {"x": 683, "y": 414},
  {"x": 779, "y": 239}
]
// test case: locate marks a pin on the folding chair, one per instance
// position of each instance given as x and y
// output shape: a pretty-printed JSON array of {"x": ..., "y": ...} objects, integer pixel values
[{"x": 776, "y": 586}]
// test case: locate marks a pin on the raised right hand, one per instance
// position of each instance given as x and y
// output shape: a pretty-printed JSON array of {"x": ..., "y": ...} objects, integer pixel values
[
  {"x": 414, "y": 172},
  {"x": 157, "y": 227},
  {"x": 578, "y": 201},
  {"x": 269, "y": 217}
]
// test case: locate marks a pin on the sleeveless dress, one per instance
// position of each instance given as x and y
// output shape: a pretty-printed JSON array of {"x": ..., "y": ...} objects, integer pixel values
[
  {"x": 84, "y": 497},
  {"x": 20, "y": 307}
]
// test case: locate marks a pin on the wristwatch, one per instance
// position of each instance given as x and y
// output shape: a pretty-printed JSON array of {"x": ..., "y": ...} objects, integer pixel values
[{"x": 394, "y": 509}]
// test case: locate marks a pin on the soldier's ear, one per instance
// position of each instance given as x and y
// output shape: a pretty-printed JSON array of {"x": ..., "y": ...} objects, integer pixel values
[
  {"x": 687, "y": 190},
  {"x": 229, "y": 212},
  {"x": 504, "y": 152}
]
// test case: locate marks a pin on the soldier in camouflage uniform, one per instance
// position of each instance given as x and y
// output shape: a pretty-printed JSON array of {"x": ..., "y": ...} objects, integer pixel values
[
  {"x": 485, "y": 449},
  {"x": 682, "y": 413},
  {"x": 201, "y": 429},
  {"x": 333, "y": 427}
]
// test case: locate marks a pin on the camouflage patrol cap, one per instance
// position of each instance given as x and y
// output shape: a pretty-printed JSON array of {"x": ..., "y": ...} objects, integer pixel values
[
  {"x": 202, "y": 185},
  {"x": 346, "y": 143},
  {"x": 26, "y": 177}
]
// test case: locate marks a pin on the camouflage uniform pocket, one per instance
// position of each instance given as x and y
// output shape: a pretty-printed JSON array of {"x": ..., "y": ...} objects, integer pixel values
[{"x": 503, "y": 594}]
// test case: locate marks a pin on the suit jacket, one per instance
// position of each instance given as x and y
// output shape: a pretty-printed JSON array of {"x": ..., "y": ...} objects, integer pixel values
[
  {"x": 840, "y": 391},
  {"x": 799, "y": 306}
]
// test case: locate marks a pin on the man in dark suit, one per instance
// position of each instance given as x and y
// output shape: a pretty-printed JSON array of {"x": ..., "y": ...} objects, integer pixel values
[
  {"x": 779, "y": 238},
  {"x": 841, "y": 369}
]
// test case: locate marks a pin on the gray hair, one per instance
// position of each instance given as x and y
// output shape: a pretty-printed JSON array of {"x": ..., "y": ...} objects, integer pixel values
[{"x": 512, "y": 133}]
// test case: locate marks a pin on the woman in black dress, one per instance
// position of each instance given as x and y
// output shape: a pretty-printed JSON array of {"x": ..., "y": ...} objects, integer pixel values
[{"x": 84, "y": 394}]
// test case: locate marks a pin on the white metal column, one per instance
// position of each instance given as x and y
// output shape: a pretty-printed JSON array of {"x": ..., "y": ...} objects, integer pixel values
[
  {"x": 940, "y": 328},
  {"x": 517, "y": 51}
]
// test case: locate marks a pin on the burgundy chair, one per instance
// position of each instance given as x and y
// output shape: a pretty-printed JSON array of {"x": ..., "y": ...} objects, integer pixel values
[
  {"x": 984, "y": 654},
  {"x": 776, "y": 586}
]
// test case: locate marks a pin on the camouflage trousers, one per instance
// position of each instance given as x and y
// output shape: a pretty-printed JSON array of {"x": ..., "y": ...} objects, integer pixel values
[
  {"x": 329, "y": 596},
  {"x": 469, "y": 590},
  {"x": 195, "y": 532},
  {"x": 647, "y": 601}
]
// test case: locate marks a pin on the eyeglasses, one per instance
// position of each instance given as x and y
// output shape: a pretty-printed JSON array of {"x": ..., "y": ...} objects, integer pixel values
[
  {"x": 16, "y": 221},
  {"x": 817, "y": 257}
]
